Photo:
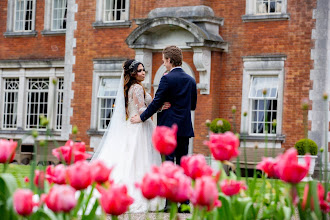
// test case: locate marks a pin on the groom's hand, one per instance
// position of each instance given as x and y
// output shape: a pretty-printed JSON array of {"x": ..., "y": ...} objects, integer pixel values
[{"x": 135, "y": 119}]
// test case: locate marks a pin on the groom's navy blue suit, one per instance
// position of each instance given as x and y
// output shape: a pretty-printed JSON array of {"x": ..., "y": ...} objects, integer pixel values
[{"x": 180, "y": 90}]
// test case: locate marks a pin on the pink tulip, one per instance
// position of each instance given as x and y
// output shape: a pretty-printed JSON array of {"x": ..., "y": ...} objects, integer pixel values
[
  {"x": 56, "y": 174},
  {"x": 205, "y": 193},
  {"x": 23, "y": 203},
  {"x": 223, "y": 146},
  {"x": 268, "y": 166},
  {"x": 168, "y": 169},
  {"x": 232, "y": 187},
  {"x": 7, "y": 150},
  {"x": 151, "y": 185},
  {"x": 26, "y": 179},
  {"x": 178, "y": 188},
  {"x": 115, "y": 200},
  {"x": 71, "y": 152},
  {"x": 61, "y": 198},
  {"x": 39, "y": 179},
  {"x": 79, "y": 175},
  {"x": 164, "y": 139},
  {"x": 289, "y": 170},
  {"x": 195, "y": 166},
  {"x": 100, "y": 171},
  {"x": 324, "y": 205}
]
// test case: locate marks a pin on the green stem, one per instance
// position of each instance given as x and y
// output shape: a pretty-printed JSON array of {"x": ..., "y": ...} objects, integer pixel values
[
  {"x": 114, "y": 217},
  {"x": 245, "y": 157},
  {"x": 89, "y": 197},
  {"x": 163, "y": 157},
  {"x": 33, "y": 165},
  {"x": 174, "y": 210},
  {"x": 326, "y": 122},
  {"x": 79, "y": 203},
  {"x": 266, "y": 127}
]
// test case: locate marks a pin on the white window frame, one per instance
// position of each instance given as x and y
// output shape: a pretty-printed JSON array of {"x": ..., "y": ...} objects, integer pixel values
[
  {"x": 107, "y": 11},
  {"x": 262, "y": 99},
  {"x": 59, "y": 100},
  {"x": 24, "y": 72},
  {"x": 261, "y": 66},
  {"x": 52, "y": 15},
  {"x": 251, "y": 12},
  {"x": 32, "y": 18},
  {"x": 11, "y": 20},
  {"x": 48, "y": 20},
  {"x": 14, "y": 105},
  {"x": 100, "y": 16},
  {"x": 102, "y": 97}
]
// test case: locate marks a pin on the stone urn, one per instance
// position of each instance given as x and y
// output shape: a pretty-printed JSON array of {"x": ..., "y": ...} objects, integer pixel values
[{"x": 301, "y": 160}]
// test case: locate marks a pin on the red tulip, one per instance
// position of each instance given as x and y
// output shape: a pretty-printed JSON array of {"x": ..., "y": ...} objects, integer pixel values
[
  {"x": 26, "y": 179},
  {"x": 39, "y": 178},
  {"x": 195, "y": 166},
  {"x": 324, "y": 205},
  {"x": 115, "y": 200},
  {"x": 205, "y": 193},
  {"x": 232, "y": 187},
  {"x": 79, "y": 175},
  {"x": 223, "y": 146},
  {"x": 289, "y": 170},
  {"x": 268, "y": 165},
  {"x": 164, "y": 139},
  {"x": 7, "y": 150},
  {"x": 151, "y": 185},
  {"x": 61, "y": 198},
  {"x": 178, "y": 188},
  {"x": 71, "y": 152},
  {"x": 168, "y": 169},
  {"x": 56, "y": 174},
  {"x": 100, "y": 171},
  {"x": 23, "y": 203}
]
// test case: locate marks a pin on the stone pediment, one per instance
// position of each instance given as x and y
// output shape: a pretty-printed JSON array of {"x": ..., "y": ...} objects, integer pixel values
[{"x": 186, "y": 27}]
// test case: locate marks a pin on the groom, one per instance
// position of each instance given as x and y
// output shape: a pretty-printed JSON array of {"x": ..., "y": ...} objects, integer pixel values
[{"x": 179, "y": 89}]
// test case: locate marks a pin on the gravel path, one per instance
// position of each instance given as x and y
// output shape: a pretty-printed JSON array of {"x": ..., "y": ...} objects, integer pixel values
[{"x": 151, "y": 216}]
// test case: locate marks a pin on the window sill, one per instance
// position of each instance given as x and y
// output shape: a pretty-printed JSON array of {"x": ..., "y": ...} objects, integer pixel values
[
  {"x": 277, "y": 138},
  {"x": 53, "y": 33},
  {"x": 270, "y": 17},
  {"x": 20, "y": 34},
  {"x": 93, "y": 132},
  {"x": 116, "y": 24},
  {"x": 21, "y": 131}
]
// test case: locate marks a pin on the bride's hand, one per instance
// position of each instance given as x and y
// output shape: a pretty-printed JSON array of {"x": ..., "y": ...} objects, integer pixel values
[
  {"x": 135, "y": 119},
  {"x": 166, "y": 105}
]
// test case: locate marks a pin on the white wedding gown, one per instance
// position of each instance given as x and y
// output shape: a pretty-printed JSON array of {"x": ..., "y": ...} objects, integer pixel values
[{"x": 132, "y": 155}]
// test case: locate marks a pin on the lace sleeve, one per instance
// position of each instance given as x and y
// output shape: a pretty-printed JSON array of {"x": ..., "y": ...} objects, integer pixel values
[{"x": 138, "y": 98}]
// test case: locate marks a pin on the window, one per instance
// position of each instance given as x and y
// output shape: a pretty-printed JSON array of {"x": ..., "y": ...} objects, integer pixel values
[
  {"x": 265, "y": 10},
  {"x": 262, "y": 73},
  {"x": 268, "y": 6},
  {"x": 106, "y": 101},
  {"x": 21, "y": 18},
  {"x": 24, "y": 15},
  {"x": 59, "y": 101},
  {"x": 115, "y": 10},
  {"x": 112, "y": 14},
  {"x": 59, "y": 15},
  {"x": 264, "y": 107},
  {"x": 37, "y": 104},
  {"x": 10, "y": 103}
]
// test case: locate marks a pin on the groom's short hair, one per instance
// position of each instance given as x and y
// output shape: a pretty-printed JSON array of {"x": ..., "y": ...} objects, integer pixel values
[{"x": 175, "y": 55}]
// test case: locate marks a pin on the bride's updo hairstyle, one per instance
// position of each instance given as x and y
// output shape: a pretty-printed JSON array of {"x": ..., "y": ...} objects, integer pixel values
[{"x": 130, "y": 72}]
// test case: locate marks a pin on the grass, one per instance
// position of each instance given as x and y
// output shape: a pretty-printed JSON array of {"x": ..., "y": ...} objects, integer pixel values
[{"x": 19, "y": 172}]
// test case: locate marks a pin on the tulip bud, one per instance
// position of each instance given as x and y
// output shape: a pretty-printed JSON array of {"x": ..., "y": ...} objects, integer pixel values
[
  {"x": 274, "y": 123},
  {"x": 305, "y": 104},
  {"x": 208, "y": 122},
  {"x": 75, "y": 129},
  {"x": 35, "y": 133},
  {"x": 43, "y": 120},
  {"x": 245, "y": 114},
  {"x": 321, "y": 149},
  {"x": 264, "y": 92},
  {"x": 42, "y": 143},
  {"x": 233, "y": 109},
  {"x": 54, "y": 81},
  {"x": 325, "y": 96}
]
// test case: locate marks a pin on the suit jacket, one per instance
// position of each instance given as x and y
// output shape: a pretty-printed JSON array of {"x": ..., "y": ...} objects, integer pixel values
[{"x": 178, "y": 88}]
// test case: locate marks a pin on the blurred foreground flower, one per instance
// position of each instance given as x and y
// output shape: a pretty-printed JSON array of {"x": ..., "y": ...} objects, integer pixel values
[{"x": 164, "y": 139}]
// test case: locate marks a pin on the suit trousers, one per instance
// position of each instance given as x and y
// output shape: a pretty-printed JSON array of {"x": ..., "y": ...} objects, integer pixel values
[{"x": 180, "y": 150}]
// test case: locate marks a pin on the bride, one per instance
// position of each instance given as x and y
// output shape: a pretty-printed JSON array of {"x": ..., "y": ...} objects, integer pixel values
[{"x": 128, "y": 146}]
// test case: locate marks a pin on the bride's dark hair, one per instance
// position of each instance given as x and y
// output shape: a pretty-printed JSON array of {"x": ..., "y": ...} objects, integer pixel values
[{"x": 130, "y": 72}]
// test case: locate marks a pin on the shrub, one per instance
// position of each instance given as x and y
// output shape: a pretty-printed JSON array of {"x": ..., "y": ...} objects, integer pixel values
[
  {"x": 304, "y": 146},
  {"x": 216, "y": 127}
]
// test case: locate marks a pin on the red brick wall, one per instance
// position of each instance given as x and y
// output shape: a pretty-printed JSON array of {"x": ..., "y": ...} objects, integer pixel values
[{"x": 28, "y": 48}]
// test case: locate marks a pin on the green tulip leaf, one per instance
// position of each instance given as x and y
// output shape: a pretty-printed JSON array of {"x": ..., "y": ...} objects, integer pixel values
[
  {"x": 224, "y": 212},
  {"x": 249, "y": 212},
  {"x": 8, "y": 185}
]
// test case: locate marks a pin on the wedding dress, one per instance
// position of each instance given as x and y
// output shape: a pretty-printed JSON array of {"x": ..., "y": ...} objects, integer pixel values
[{"x": 128, "y": 147}]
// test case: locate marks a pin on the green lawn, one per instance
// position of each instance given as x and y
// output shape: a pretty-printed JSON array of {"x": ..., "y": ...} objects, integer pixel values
[{"x": 19, "y": 172}]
